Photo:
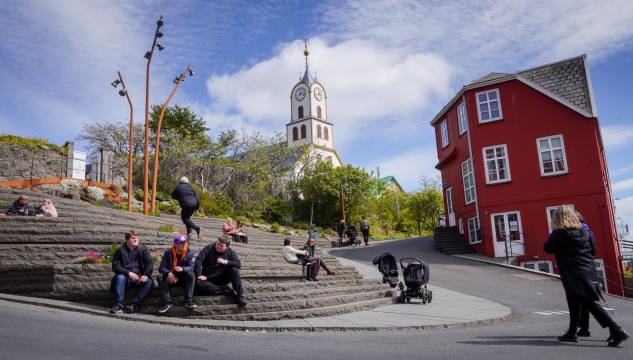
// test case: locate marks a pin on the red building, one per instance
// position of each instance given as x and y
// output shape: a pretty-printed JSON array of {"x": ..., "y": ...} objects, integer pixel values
[{"x": 512, "y": 148}]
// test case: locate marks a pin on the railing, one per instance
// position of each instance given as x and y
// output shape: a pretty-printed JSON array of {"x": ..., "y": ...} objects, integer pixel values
[
  {"x": 523, "y": 245},
  {"x": 625, "y": 290}
]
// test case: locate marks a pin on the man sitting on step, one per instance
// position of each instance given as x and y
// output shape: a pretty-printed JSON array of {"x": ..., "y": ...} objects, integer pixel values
[
  {"x": 176, "y": 269},
  {"x": 216, "y": 266},
  {"x": 133, "y": 266}
]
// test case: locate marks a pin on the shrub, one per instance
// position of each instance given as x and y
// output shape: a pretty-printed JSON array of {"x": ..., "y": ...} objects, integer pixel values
[
  {"x": 161, "y": 196},
  {"x": 123, "y": 196},
  {"x": 225, "y": 204},
  {"x": 285, "y": 231},
  {"x": 166, "y": 228},
  {"x": 97, "y": 203},
  {"x": 69, "y": 185},
  {"x": 154, "y": 213},
  {"x": 300, "y": 225},
  {"x": 274, "y": 228},
  {"x": 207, "y": 202},
  {"x": 120, "y": 206},
  {"x": 138, "y": 194},
  {"x": 33, "y": 142},
  {"x": 88, "y": 258},
  {"x": 168, "y": 208},
  {"x": 156, "y": 257},
  {"x": 95, "y": 193}
]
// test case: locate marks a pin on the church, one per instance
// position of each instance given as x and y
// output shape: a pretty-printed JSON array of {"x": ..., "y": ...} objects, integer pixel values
[{"x": 309, "y": 125}]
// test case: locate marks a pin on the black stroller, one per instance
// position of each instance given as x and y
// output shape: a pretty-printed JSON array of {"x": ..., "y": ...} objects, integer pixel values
[
  {"x": 352, "y": 235},
  {"x": 388, "y": 267},
  {"x": 416, "y": 275}
]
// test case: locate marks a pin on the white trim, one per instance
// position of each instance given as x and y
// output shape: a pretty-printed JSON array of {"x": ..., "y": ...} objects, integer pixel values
[
  {"x": 488, "y": 101},
  {"x": 461, "y": 226},
  {"x": 450, "y": 205},
  {"x": 475, "y": 230},
  {"x": 462, "y": 120},
  {"x": 471, "y": 179},
  {"x": 549, "y": 211},
  {"x": 507, "y": 163},
  {"x": 540, "y": 152},
  {"x": 574, "y": 107},
  {"x": 444, "y": 131},
  {"x": 594, "y": 110}
]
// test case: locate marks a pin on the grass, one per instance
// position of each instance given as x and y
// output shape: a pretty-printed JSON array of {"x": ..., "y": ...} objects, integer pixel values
[{"x": 166, "y": 228}]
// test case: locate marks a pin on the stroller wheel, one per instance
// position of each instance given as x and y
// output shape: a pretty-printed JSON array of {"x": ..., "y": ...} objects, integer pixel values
[
  {"x": 424, "y": 297},
  {"x": 408, "y": 299},
  {"x": 401, "y": 286},
  {"x": 402, "y": 297},
  {"x": 430, "y": 296}
]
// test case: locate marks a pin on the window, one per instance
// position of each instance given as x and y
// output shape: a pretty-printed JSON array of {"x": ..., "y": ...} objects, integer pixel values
[
  {"x": 326, "y": 133},
  {"x": 329, "y": 159},
  {"x": 444, "y": 131},
  {"x": 461, "y": 118},
  {"x": 473, "y": 230},
  {"x": 303, "y": 131},
  {"x": 496, "y": 158},
  {"x": 295, "y": 134},
  {"x": 319, "y": 134},
  {"x": 318, "y": 157},
  {"x": 461, "y": 226},
  {"x": 469, "y": 181},
  {"x": 300, "y": 112},
  {"x": 552, "y": 155},
  {"x": 542, "y": 265},
  {"x": 319, "y": 112},
  {"x": 507, "y": 226},
  {"x": 550, "y": 213},
  {"x": 489, "y": 106}
]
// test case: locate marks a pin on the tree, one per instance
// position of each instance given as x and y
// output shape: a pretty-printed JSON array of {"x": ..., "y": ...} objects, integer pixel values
[
  {"x": 182, "y": 121},
  {"x": 427, "y": 203},
  {"x": 114, "y": 138}
]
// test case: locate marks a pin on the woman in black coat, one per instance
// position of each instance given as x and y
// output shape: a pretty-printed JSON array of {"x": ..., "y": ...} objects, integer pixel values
[{"x": 573, "y": 249}]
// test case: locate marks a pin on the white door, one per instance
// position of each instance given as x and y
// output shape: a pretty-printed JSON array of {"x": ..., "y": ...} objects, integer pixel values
[
  {"x": 507, "y": 233},
  {"x": 449, "y": 205}
]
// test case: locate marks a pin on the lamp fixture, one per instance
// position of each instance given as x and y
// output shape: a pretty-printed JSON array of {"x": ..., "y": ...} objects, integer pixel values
[
  {"x": 159, "y": 23},
  {"x": 191, "y": 72},
  {"x": 147, "y": 55},
  {"x": 159, "y": 34},
  {"x": 115, "y": 82},
  {"x": 160, "y": 47},
  {"x": 177, "y": 79},
  {"x": 123, "y": 91}
]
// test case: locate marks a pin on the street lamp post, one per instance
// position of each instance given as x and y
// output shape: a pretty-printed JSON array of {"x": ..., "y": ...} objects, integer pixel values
[
  {"x": 177, "y": 81},
  {"x": 124, "y": 92},
  {"x": 148, "y": 56}
]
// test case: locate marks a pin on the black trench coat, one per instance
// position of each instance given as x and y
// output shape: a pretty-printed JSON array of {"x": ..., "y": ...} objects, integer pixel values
[{"x": 574, "y": 252}]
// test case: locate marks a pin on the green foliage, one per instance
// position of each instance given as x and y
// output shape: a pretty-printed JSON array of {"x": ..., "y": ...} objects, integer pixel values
[
  {"x": 184, "y": 121},
  {"x": 274, "y": 228},
  {"x": 166, "y": 228},
  {"x": 285, "y": 231},
  {"x": 32, "y": 142},
  {"x": 628, "y": 274},
  {"x": 161, "y": 196},
  {"x": 276, "y": 209},
  {"x": 168, "y": 208},
  {"x": 1, "y": 201},
  {"x": 97, "y": 203},
  {"x": 425, "y": 205},
  {"x": 154, "y": 213},
  {"x": 120, "y": 206},
  {"x": 224, "y": 203},
  {"x": 114, "y": 138},
  {"x": 207, "y": 202},
  {"x": 138, "y": 194},
  {"x": 300, "y": 225}
]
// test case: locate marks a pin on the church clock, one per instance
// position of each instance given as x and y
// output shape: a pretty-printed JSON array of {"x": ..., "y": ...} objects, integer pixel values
[
  {"x": 318, "y": 94},
  {"x": 300, "y": 94}
]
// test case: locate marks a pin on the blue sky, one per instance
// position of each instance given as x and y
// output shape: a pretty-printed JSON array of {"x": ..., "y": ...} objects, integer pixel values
[{"x": 388, "y": 66}]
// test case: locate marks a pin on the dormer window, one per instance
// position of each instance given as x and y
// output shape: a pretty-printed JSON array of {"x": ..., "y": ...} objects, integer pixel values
[{"x": 489, "y": 106}]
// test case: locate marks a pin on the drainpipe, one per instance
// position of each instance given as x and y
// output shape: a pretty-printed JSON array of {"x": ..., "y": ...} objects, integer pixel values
[{"x": 472, "y": 160}]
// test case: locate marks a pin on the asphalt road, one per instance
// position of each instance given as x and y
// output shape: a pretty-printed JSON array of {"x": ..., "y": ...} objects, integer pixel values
[{"x": 31, "y": 332}]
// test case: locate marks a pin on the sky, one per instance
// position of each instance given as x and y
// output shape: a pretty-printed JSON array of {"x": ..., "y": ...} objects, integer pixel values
[{"x": 388, "y": 66}]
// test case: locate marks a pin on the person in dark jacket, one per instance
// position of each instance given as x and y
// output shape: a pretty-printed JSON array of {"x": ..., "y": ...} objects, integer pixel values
[
  {"x": 20, "y": 206},
  {"x": 309, "y": 247},
  {"x": 364, "y": 228},
  {"x": 189, "y": 202},
  {"x": 176, "y": 269},
  {"x": 583, "y": 330},
  {"x": 572, "y": 247},
  {"x": 216, "y": 266},
  {"x": 340, "y": 229},
  {"x": 133, "y": 266}
]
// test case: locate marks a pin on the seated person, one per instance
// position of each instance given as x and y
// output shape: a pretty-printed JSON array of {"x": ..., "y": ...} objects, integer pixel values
[
  {"x": 240, "y": 234},
  {"x": 309, "y": 247},
  {"x": 228, "y": 229},
  {"x": 216, "y": 266},
  {"x": 20, "y": 206},
  {"x": 48, "y": 210},
  {"x": 176, "y": 269},
  {"x": 133, "y": 266},
  {"x": 299, "y": 257}
]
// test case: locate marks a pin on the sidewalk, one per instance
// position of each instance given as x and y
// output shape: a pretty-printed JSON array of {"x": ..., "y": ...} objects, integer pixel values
[{"x": 449, "y": 309}]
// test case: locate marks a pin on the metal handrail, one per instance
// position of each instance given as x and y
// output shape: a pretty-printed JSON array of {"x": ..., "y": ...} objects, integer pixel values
[{"x": 524, "y": 244}]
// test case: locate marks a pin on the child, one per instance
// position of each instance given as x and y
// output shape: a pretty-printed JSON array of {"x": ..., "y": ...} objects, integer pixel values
[
  {"x": 20, "y": 206},
  {"x": 48, "y": 210}
]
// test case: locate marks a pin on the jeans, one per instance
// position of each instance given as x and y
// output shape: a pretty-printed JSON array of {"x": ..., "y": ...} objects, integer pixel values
[
  {"x": 239, "y": 238},
  {"x": 211, "y": 286},
  {"x": 123, "y": 282},
  {"x": 188, "y": 280},
  {"x": 365, "y": 235},
  {"x": 185, "y": 215}
]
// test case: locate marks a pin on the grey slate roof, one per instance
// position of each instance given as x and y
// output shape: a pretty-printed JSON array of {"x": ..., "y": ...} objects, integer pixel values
[
  {"x": 491, "y": 76},
  {"x": 307, "y": 77}
]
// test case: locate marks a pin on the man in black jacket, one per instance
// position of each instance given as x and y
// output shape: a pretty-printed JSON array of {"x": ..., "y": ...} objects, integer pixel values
[
  {"x": 340, "y": 229},
  {"x": 189, "y": 202},
  {"x": 176, "y": 269},
  {"x": 216, "y": 266},
  {"x": 133, "y": 266}
]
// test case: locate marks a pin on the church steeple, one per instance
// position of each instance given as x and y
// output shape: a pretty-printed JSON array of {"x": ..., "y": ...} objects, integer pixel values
[{"x": 307, "y": 77}]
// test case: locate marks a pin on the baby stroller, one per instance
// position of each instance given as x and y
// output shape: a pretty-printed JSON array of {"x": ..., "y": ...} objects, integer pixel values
[
  {"x": 416, "y": 275},
  {"x": 388, "y": 267},
  {"x": 352, "y": 236}
]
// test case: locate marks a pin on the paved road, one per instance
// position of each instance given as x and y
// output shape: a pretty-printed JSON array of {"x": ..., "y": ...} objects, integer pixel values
[{"x": 30, "y": 332}]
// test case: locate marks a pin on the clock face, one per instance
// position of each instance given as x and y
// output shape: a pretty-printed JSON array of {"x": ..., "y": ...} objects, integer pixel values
[
  {"x": 318, "y": 94},
  {"x": 300, "y": 94}
]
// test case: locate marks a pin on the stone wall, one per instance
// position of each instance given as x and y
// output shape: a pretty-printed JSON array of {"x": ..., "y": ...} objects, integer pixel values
[{"x": 21, "y": 162}]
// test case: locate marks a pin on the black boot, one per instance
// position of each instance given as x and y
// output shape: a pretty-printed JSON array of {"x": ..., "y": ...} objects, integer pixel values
[
  {"x": 617, "y": 336},
  {"x": 569, "y": 337}
]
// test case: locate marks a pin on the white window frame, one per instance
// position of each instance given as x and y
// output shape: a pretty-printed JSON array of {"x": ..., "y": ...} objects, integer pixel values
[
  {"x": 550, "y": 210},
  {"x": 551, "y": 151},
  {"x": 507, "y": 163},
  {"x": 444, "y": 133},
  {"x": 473, "y": 231},
  {"x": 488, "y": 102},
  {"x": 507, "y": 224},
  {"x": 461, "y": 118},
  {"x": 603, "y": 279},
  {"x": 534, "y": 265},
  {"x": 470, "y": 176},
  {"x": 461, "y": 226}
]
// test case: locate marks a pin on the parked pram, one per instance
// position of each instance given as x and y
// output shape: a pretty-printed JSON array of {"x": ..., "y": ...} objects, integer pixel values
[
  {"x": 388, "y": 267},
  {"x": 352, "y": 235},
  {"x": 416, "y": 275}
]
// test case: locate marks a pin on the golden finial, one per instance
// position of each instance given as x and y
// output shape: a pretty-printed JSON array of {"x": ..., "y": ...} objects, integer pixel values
[{"x": 306, "y": 52}]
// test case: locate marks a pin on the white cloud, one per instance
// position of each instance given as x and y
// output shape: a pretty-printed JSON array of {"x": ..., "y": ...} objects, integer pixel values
[
  {"x": 407, "y": 167},
  {"x": 617, "y": 136},
  {"x": 623, "y": 185},
  {"x": 621, "y": 171}
]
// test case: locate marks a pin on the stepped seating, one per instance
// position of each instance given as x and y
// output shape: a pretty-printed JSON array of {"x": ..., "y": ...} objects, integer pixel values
[
  {"x": 449, "y": 241},
  {"x": 36, "y": 257}
]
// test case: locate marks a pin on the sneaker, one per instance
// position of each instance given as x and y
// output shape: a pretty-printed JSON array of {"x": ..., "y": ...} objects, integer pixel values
[
  {"x": 165, "y": 307},
  {"x": 241, "y": 301},
  {"x": 583, "y": 333},
  {"x": 569, "y": 337},
  {"x": 617, "y": 337},
  {"x": 227, "y": 291},
  {"x": 116, "y": 309},
  {"x": 131, "y": 309},
  {"x": 190, "y": 304}
]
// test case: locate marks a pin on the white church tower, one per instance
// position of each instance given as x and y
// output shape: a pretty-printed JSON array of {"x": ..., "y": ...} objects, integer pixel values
[{"x": 309, "y": 123}]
